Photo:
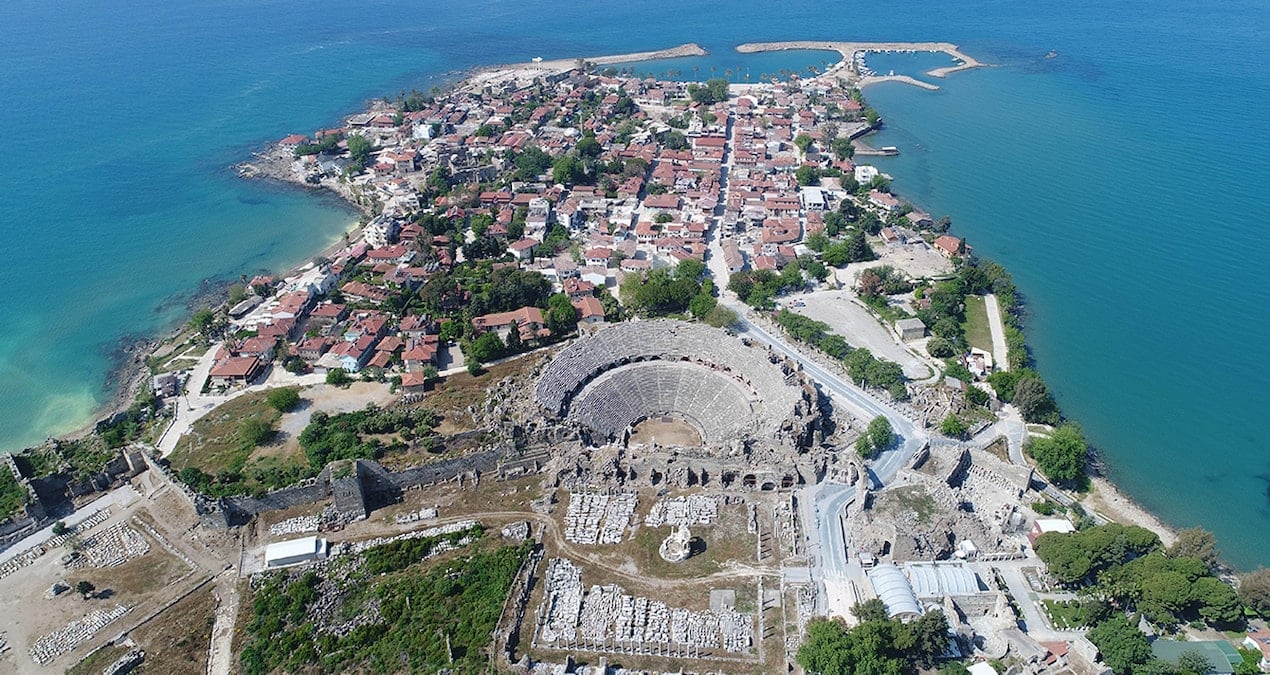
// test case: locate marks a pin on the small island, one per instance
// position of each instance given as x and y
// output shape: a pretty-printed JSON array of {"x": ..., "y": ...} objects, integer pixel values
[{"x": 612, "y": 370}]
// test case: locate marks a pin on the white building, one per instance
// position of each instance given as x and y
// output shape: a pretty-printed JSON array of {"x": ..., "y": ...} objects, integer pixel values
[
  {"x": 295, "y": 552},
  {"x": 865, "y": 173}
]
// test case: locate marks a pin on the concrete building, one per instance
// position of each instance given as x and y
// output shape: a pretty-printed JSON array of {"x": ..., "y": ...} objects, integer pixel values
[
  {"x": 910, "y": 329},
  {"x": 295, "y": 552}
]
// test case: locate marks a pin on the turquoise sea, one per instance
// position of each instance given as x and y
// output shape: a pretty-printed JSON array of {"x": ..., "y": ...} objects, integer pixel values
[{"x": 1123, "y": 182}]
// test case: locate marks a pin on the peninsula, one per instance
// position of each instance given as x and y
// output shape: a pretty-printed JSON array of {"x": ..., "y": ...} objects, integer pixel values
[{"x": 615, "y": 370}]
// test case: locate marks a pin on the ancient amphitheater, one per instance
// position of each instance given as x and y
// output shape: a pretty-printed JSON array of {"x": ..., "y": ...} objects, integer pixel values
[{"x": 728, "y": 392}]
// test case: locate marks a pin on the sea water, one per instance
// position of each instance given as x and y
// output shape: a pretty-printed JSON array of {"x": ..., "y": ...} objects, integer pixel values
[{"x": 1121, "y": 181}]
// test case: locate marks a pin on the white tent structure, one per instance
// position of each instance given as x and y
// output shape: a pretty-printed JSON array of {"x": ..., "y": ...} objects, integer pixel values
[{"x": 295, "y": 552}]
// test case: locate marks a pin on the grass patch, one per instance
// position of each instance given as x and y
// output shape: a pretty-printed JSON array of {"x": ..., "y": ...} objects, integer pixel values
[
  {"x": 12, "y": 494},
  {"x": 452, "y": 397},
  {"x": 917, "y": 500},
  {"x": 137, "y": 577},
  {"x": 95, "y": 663},
  {"x": 177, "y": 640},
  {"x": 713, "y": 546},
  {"x": 1065, "y": 614},
  {"x": 1000, "y": 448},
  {"x": 978, "y": 332},
  {"x": 213, "y": 444},
  {"x": 419, "y": 610}
]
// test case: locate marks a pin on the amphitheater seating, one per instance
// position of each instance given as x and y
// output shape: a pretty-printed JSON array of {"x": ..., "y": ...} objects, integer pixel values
[{"x": 639, "y": 369}]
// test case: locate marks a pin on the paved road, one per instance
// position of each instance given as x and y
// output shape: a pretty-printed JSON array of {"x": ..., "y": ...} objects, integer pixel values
[
  {"x": 824, "y": 505},
  {"x": 1000, "y": 351}
]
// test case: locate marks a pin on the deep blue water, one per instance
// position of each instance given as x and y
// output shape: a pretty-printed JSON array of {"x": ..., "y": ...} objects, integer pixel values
[{"x": 1122, "y": 182}]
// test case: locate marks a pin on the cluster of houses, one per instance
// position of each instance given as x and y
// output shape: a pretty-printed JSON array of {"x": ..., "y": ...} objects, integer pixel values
[{"x": 688, "y": 166}]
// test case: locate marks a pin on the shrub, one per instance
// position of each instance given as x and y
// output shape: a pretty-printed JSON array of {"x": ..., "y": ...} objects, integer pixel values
[{"x": 283, "y": 400}]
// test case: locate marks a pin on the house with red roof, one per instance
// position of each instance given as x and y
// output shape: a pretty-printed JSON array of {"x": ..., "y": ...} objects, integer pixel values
[
  {"x": 235, "y": 371},
  {"x": 949, "y": 245},
  {"x": 420, "y": 353},
  {"x": 590, "y": 311},
  {"x": 663, "y": 202},
  {"x": 290, "y": 143},
  {"x": 528, "y": 319}
]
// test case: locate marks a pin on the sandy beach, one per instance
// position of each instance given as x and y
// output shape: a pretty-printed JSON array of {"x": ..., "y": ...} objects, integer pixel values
[{"x": 1107, "y": 500}]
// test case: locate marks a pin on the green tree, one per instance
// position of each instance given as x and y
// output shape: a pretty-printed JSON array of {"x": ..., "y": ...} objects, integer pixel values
[
  {"x": 701, "y": 305},
  {"x": 1254, "y": 590},
  {"x": 1193, "y": 662},
  {"x": 880, "y": 433},
  {"x": 721, "y": 317},
  {"x": 359, "y": 149},
  {"x": 1218, "y": 602},
  {"x": 85, "y": 588},
  {"x": 1165, "y": 597},
  {"x": 1034, "y": 401},
  {"x": 203, "y": 320},
  {"x": 842, "y": 148},
  {"x": 1196, "y": 542},
  {"x": 713, "y": 91},
  {"x": 872, "y": 609},
  {"x": 515, "y": 344},
  {"x": 952, "y": 427},
  {"x": 864, "y": 447},
  {"x": 568, "y": 171},
  {"x": 858, "y": 249},
  {"x": 807, "y": 175},
  {"x": 487, "y": 347},
  {"x": 253, "y": 432},
  {"x": 1121, "y": 644},
  {"x": 940, "y": 348},
  {"x": 338, "y": 377},
  {"x": 930, "y": 637},
  {"x": 562, "y": 316},
  {"x": 1063, "y": 455},
  {"x": 588, "y": 146},
  {"x": 1067, "y": 559},
  {"x": 284, "y": 399},
  {"x": 817, "y": 241},
  {"x": 803, "y": 141}
]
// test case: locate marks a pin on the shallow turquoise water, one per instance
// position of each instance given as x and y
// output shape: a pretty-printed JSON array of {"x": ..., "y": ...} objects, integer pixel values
[{"x": 1122, "y": 182}]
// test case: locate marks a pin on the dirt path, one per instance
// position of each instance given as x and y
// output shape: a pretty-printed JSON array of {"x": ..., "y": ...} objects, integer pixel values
[{"x": 220, "y": 653}]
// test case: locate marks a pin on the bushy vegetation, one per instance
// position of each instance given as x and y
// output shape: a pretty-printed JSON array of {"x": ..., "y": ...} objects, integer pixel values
[
  {"x": 1125, "y": 565},
  {"x": 284, "y": 399},
  {"x": 877, "y": 438},
  {"x": 876, "y": 645},
  {"x": 350, "y": 435},
  {"x": 862, "y": 367},
  {"x": 430, "y": 619},
  {"x": 12, "y": 494},
  {"x": 399, "y": 555},
  {"x": 664, "y": 292},
  {"x": 759, "y": 288},
  {"x": 1062, "y": 455}
]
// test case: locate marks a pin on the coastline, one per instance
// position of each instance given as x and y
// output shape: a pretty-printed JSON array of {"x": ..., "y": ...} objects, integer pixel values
[
  {"x": 1110, "y": 502},
  {"x": 848, "y": 50},
  {"x": 1105, "y": 498},
  {"x": 525, "y": 71}
]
